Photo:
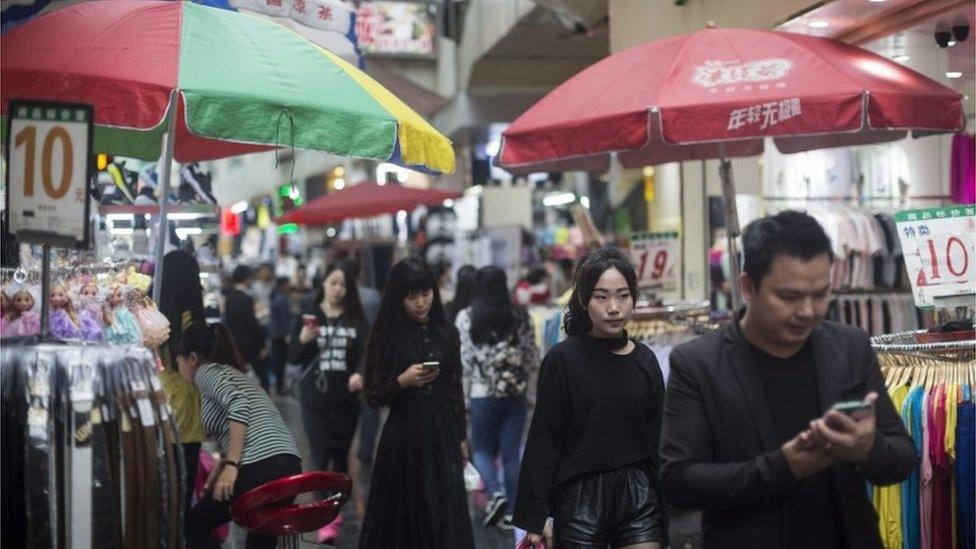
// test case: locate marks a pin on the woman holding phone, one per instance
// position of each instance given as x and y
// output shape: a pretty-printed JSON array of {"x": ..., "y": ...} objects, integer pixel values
[
  {"x": 329, "y": 343},
  {"x": 417, "y": 497},
  {"x": 591, "y": 458}
]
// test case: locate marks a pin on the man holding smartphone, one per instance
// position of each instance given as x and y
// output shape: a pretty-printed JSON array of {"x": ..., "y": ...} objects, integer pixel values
[{"x": 749, "y": 433}]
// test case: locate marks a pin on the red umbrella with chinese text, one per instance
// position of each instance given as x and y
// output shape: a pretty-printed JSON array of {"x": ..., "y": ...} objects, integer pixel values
[{"x": 717, "y": 93}]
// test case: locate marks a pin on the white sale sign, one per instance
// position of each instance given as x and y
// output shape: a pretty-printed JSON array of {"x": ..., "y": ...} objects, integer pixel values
[
  {"x": 49, "y": 150},
  {"x": 939, "y": 253},
  {"x": 656, "y": 256}
]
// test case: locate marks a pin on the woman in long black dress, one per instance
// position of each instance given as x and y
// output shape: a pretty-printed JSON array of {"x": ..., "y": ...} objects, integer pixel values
[
  {"x": 329, "y": 343},
  {"x": 417, "y": 497}
]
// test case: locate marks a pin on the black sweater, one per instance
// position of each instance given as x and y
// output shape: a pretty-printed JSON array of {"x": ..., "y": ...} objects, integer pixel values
[{"x": 595, "y": 411}]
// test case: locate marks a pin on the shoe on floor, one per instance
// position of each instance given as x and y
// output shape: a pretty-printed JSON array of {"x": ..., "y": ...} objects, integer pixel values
[{"x": 495, "y": 508}]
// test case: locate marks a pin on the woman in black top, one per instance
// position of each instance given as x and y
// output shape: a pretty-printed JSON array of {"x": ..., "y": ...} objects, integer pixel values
[
  {"x": 329, "y": 343},
  {"x": 464, "y": 292},
  {"x": 417, "y": 497},
  {"x": 591, "y": 458}
]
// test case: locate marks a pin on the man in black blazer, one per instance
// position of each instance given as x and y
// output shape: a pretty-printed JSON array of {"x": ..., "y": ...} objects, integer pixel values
[
  {"x": 241, "y": 320},
  {"x": 749, "y": 436}
]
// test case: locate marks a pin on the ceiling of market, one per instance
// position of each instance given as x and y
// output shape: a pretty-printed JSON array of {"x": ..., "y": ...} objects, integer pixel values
[{"x": 902, "y": 30}]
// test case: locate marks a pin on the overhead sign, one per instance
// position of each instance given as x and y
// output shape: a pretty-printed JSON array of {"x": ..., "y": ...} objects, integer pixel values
[
  {"x": 49, "y": 149},
  {"x": 657, "y": 258},
  {"x": 938, "y": 247},
  {"x": 396, "y": 28}
]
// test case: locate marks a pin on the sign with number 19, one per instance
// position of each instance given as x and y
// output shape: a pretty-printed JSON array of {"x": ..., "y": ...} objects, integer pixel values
[{"x": 49, "y": 154}]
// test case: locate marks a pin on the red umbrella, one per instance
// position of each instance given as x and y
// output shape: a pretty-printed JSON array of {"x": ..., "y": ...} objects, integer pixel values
[
  {"x": 716, "y": 93},
  {"x": 364, "y": 200}
]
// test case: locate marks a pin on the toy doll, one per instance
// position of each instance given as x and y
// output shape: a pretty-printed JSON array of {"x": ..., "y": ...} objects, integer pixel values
[
  {"x": 62, "y": 321},
  {"x": 5, "y": 309},
  {"x": 24, "y": 320},
  {"x": 92, "y": 316},
  {"x": 122, "y": 330},
  {"x": 152, "y": 323}
]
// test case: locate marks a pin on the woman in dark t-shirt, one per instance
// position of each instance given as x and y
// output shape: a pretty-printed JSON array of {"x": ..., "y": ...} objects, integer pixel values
[{"x": 591, "y": 458}]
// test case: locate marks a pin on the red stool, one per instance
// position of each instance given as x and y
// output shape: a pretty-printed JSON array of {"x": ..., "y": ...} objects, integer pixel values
[{"x": 259, "y": 509}]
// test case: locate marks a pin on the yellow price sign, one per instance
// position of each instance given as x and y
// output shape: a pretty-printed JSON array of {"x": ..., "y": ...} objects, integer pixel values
[{"x": 49, "y": 154}]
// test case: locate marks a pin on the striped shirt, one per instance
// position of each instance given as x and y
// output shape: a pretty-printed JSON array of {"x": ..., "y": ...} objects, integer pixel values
[{"x": 227, "y": 395}]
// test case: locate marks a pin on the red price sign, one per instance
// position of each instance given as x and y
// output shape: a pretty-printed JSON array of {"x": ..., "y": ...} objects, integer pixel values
[
  {"x": 656, "y": 258},
  {"x": 939, "y": 251}
]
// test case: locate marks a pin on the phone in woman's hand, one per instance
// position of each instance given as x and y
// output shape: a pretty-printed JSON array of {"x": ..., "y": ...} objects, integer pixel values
[
  {"x": 431, "y": 366},
  {"x": 310, "y": 322}
]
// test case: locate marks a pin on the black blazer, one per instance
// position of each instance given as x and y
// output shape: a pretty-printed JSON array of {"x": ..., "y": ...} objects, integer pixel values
[
  {"x": 718, "y": 444},
  {"x": 243, "y": 325}
]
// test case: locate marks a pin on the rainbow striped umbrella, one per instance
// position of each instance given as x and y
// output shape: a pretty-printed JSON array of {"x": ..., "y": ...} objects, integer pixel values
[{"x": 240, "y": 84}]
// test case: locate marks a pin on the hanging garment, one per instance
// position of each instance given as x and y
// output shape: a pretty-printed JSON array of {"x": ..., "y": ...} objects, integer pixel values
[
  {"x": 962, "y": 175},
  {"x": 965, "y": 474}
]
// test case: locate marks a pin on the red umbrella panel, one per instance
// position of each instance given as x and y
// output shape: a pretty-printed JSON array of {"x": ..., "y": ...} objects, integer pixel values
[
  {"x": 364, "y": 200},
  {"x": 680, "y": 97}
]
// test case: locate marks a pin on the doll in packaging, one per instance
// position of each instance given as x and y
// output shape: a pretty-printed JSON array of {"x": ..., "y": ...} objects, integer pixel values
[
  {"x": 152, "y": 323},
  {"x": 5, "y": 309},
  {"x": 62, "y": 321},
  {"x": 92, "y": 316},
  {"x": 123, "y": 329},
  {"x": 24, "y": 319}
]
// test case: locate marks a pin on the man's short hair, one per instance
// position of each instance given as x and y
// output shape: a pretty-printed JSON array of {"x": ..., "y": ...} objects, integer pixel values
[
  {"x": 241, "y": 274},
  {"x": 790, "y": 232}
]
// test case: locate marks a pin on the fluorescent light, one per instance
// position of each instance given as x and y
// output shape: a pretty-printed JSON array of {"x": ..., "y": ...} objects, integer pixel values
[
  {"x": 953, "y": 74},
  {"x": 901, "y": 58},
  {"x": 558, "y": 199},
  {"x": 819, "y": 24},
  {"x": 120, "y": 217},
  {"x": 240, "y": 207},
  {"x": 448, "y": 203},
  {"x": 186, "y": 216},
  {"x": 184, "y": 232},
  {"x": 121, "y": 231},
  {"x": 585, "y": 201},
  {"x": 339, "y": 184},
  {"x": 877, "y": 1}
]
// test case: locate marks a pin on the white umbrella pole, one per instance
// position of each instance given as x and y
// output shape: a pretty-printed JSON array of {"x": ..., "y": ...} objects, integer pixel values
[
  {"x": 731, "y": 225},
  {"x": 166, "y": 161}
]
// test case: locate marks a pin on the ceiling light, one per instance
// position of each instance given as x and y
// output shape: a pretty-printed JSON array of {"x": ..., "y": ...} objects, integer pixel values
[
  {"x": 953, "y": 74},
  {"x": 901, "y": 58},
  {"x": 339, "y": 184},
  {"x": 819, "y": 24},
  {"x": 558, "y": 199},
  {"x": 448, "y": 203},
  {"x": 330, "y": 232},
  {"x": 877, "y": 1}
]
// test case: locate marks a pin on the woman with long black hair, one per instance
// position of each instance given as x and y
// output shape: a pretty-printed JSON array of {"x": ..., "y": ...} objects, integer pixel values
[
  {"x": 591, "y": 458},
  {"x": 464, "y": 291},
  {"x": 499, "y": 354},
  {"x": 255, "y": 445},
  {"x": 329, "y": 343},
  {"x": 181, "y": 301},
  {"x": 417, "y": 497}
]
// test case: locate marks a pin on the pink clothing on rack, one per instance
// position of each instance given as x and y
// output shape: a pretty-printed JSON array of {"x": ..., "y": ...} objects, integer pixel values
[
  {"x": 925, "y": 478},
  {"x": 963, "y": 169}
]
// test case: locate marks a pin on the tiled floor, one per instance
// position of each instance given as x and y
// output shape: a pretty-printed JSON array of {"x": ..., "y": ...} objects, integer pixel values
[{"x": 485, "y": 538}]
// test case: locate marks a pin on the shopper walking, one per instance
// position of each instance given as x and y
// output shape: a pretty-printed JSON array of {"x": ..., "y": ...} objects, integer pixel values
[
  {"x": 591, "y": 458},
  {"x": 498, "y": 353},
  {"x": 464, "y": 291},
  {"x": 417, "y": 497},
  {"x": 239, "y": 316},
  {"x": 181, "y": 301},
  {"x": 329, "y": 344},
  {"x": 279, "y": 328},
  {"x": 749, "y": 436},
  {"x": 254, "y": 442}
]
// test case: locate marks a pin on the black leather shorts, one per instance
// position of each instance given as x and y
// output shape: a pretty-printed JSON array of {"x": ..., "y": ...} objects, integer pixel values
[{"x": 616, "y": 508}]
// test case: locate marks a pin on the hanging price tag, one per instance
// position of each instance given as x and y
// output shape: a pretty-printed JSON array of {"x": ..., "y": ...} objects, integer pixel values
[
  {"x": 939, "y": 254},
  {"x": 49, "y": 154},
  {"x": 656, "y": 256}
]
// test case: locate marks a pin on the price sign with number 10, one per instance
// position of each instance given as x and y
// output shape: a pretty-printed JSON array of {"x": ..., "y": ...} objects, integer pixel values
[
  {"x": 49, "y": 150},
  {"x": 938, "y": 248}
]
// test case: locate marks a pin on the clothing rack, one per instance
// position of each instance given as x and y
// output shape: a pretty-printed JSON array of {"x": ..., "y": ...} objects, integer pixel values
[{"x": 907, "y": 343}]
